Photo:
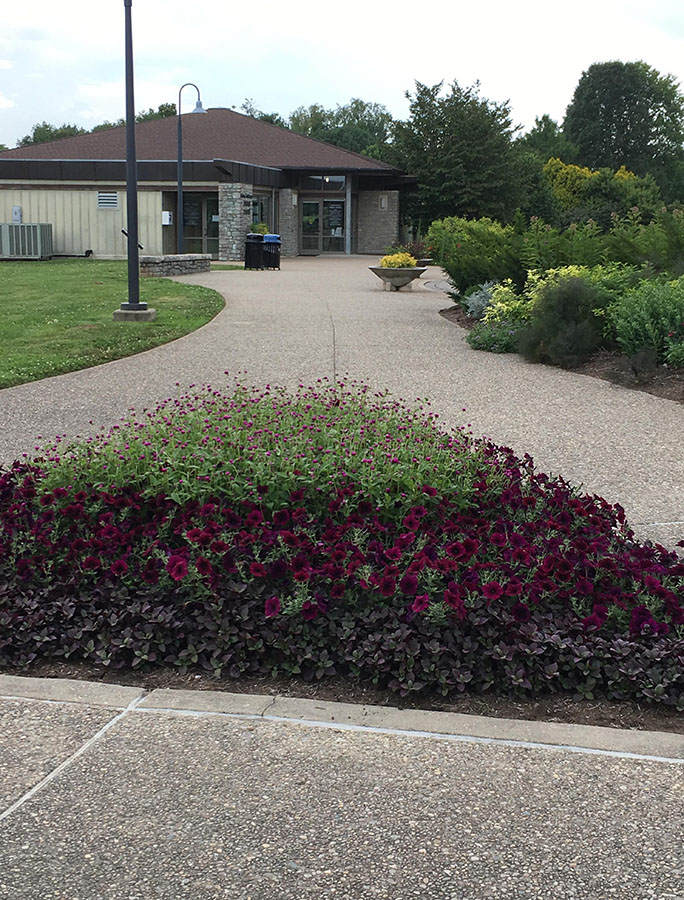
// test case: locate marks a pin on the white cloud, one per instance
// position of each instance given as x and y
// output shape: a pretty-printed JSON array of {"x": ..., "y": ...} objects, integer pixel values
[
  {"x": 301, "y": 52},
  {"x": 6, "y": 103}
]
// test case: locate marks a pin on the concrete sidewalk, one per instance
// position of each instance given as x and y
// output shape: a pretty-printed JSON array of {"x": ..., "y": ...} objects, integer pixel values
[
  {"x": 189, "y": 795},
  {"x": 326, "y": 317}
]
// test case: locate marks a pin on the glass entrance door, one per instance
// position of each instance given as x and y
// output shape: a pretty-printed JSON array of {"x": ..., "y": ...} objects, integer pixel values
[
  {"x": 322, "y": 226},
  {"x": 200, "y": 223},
  {"x": 311, "y": 226}
]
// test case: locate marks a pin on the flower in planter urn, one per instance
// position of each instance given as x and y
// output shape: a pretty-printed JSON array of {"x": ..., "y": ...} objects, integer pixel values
[{"x": 398, "y": 261}]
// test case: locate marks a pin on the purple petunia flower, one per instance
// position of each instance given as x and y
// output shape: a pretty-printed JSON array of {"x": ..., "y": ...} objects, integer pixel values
[
  {"x": 492, "y": 590},
  {"x": 421, "y": 602},
  {"x": 408, "y": 584},
  {"x": 177, "y": 567},
  {"x": 272, "y": 607}
]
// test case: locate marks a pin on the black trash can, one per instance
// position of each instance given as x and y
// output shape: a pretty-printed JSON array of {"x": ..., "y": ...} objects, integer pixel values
[
  {"x": 254, "y": 251},
  {"x": 272, "y": 244}
]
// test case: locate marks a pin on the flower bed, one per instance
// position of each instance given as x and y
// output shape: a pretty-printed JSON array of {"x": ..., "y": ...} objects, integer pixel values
[{"x": 332, "y": 531}]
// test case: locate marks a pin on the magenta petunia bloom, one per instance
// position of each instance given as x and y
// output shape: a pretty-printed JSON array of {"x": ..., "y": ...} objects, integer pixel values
[
  {"x": 310, "y": 611},
  {"x": 281, "y": 517},
  {"x": 408, "y": 584},
  {"x": 387, "y": 586},
  {"x": 521, "y": 613},
  {"x": 492, "y": 590},
  {"x": 177, "y": 567},
  {"x": 272, "y": 607},
  {"x": 119, "y": 567},
  {"x": 430, "y": 491},
  {"x": 91, "y": 563},
  {"x": 421, "y": 602},
  {"x": 257, "y": 570},
  {"x": 254, "y": 518},
  {"x": 513, "y": 587},
  {"x": 203, "y": 565}
]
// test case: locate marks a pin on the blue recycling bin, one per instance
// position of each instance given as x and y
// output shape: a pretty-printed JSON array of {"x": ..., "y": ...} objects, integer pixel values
[{"x": 271, "y": 251}]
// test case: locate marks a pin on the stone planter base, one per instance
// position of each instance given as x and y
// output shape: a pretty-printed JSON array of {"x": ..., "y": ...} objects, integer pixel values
[
  {"x": 175, "y": 264},
  {"x": 397, "y": 279}
]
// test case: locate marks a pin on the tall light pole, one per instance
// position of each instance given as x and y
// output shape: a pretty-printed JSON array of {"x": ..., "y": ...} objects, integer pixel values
[
  {"x": 133, "y": 309},
  {"x": 131, "y": 176},
  {"x": 179, "y": 209}
]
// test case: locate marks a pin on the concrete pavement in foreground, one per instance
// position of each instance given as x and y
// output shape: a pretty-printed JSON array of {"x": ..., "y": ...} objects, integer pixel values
[
  {"x": 327, "y": 317},
  {"x": 106, "y": 792}
]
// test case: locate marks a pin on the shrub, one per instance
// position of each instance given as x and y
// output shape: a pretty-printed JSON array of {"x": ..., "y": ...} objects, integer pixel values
[
  {"x": 331, "y": 532},
  {"x": 259, "y": 228},
  {"x": 563, "y": 329},
  {"x": 507, "y": 306},
  {"x": 648, "y": 316},
  {"x": 474, "y": 251},
  {"x": 417, "y": 249},
  {"x": 398, "y": 261},
  {"x": 496, "y": 337},
  {"x": 478, "y": 299}
]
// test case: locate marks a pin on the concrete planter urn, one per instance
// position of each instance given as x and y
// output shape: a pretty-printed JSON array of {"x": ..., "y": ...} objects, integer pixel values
[{"x": 396, "y": 279}]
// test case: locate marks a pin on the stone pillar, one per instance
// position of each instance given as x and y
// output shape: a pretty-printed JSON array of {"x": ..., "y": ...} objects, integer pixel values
[
  {"x": 235, "y": 219},
  {"x": 289, "y": 221},
  {"x": 378, "y": 221}
]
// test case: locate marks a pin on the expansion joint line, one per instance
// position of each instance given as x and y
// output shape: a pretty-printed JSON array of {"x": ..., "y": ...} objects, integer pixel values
[{"x": 74, "y": 756}]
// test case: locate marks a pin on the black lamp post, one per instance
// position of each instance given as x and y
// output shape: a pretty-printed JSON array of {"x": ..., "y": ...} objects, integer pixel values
[
  {"x": 134, "y": 303},
  {"x": 179, "y": 211}
]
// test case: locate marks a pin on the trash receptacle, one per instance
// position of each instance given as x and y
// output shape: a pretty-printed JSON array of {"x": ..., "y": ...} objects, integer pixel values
[
  {"x": 254, "y": 251},
  {"x": 272, "y": 244}
]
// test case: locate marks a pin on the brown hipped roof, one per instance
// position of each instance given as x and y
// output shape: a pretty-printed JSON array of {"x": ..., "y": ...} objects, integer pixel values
[{"x": 220, "y": 134}]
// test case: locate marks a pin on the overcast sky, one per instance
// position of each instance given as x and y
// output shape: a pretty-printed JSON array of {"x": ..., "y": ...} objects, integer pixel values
[{"x": 62, "y": 60}]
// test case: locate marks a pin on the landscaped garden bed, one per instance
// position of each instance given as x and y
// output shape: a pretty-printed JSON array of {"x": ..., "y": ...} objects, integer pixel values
[
  {"x": 331, "y": 533},
  {"x": 605, "y": 303}
]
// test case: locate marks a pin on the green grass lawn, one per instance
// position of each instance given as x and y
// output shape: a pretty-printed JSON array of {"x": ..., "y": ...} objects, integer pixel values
[
  {"x": 57, "y": 316},
  {"x": 225, "y": 267}
]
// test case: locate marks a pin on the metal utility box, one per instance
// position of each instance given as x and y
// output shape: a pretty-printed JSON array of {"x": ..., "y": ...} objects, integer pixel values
[{"x": 25, "y": 241}]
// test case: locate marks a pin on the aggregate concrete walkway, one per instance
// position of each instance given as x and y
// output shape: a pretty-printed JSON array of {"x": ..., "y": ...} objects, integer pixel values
[
  {"x": 327, "y": 316},
  {"x": 108, "y": 794}
]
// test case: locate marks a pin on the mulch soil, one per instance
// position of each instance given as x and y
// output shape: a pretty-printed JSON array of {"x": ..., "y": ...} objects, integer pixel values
[
  {"x": 659, "y": 380},
  {"x": 554, "y": 708}
]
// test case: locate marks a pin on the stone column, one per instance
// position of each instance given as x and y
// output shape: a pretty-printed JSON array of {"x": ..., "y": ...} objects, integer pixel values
[
  {"x": 235, "y": 219},
  {"x": 378, "y": 221},
  {"x": 289, "y": 221}
]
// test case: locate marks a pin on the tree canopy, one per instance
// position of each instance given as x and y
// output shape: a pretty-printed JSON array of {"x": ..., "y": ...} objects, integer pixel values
[
  {"x": 43, "y": 131},
  {"x": 547, "y": 140},
  {"x": 627, "y": 114},
  {"x": 460, "y": 147},
  {"x": 358, "y": 125}
]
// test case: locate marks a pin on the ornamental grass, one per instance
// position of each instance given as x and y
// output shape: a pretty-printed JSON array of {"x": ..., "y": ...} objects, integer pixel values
[{"x": 331, "y": 531}]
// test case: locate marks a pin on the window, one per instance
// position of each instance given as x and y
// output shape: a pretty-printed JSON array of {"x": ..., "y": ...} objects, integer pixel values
[
  {"x": 107, "y": 200},
  {"x": 262, "y": 210},
  {"x": 325, "y": 183}
]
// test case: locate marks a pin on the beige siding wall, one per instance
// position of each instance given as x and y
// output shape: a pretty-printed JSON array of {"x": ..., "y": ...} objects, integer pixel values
[{"x": 78, "y": 225}]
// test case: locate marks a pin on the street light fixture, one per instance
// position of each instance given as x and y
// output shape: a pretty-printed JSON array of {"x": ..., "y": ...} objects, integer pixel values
[{"x": 179, "y": 211}]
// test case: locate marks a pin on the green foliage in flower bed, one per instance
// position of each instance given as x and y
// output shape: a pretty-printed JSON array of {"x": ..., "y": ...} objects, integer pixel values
[
  {"x": 494, "y": 337},
  {"x": 475, "y": 251},
  {"x": 563, "y": 329},
  {"x": 332, "y": 531},
  {"x": 650, "y": 316}
]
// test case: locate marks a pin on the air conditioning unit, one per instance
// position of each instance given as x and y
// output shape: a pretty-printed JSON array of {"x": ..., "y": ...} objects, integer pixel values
[{"x": 25, "y": 241}]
